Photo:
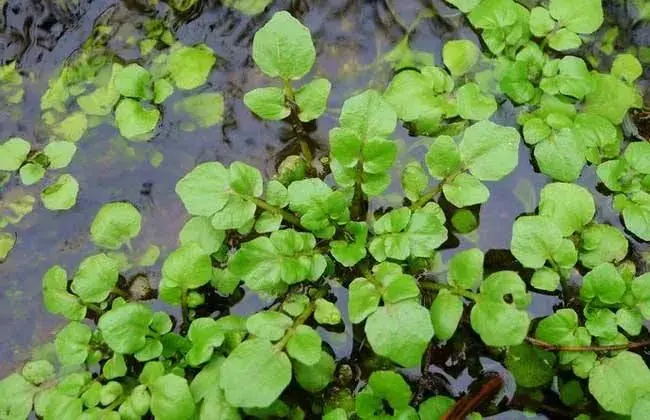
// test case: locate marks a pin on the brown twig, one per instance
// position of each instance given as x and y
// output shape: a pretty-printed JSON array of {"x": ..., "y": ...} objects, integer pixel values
[
  {"x": 467, "y": 404},
  {"x": 612, "y": 347}
]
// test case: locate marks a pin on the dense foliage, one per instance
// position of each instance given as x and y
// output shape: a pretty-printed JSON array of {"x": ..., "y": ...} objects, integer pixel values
[{"x": 303, "y": 238}]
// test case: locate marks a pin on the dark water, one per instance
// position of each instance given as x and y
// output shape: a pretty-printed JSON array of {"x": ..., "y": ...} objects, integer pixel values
[{"x": 349, "y": 37}]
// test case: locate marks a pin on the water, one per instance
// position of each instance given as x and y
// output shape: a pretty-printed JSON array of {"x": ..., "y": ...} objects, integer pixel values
[{"x": 349, "y": 37}]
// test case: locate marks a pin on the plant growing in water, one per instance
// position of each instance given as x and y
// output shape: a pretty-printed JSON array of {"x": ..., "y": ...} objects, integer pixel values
[{"x": 307, "y": 243}]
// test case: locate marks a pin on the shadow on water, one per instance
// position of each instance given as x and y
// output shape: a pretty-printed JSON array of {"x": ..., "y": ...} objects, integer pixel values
[{"x": 349, "y": 36}]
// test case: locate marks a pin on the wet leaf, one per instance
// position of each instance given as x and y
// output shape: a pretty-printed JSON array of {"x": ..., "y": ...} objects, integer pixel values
[
  {"x": 189, "y": 67},
  {"x": 134, "y": 120},
  {"x": 13, "y": 153},
  {"x": 115, "y": 225}
]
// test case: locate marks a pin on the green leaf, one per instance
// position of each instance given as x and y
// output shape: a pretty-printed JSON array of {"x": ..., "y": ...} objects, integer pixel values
[
  {"x": 134, "y": 81},
  {"x": 162, "y": 89},
  {"x": 72, "y": 343},
  {"x": 369, "y": 115},
  {"x": 16, "y": 397},
  {"x": 465, "y": 190},
  {"x": 582, "y": 16},
  {"x": 314, "y": 378},
  {"x": 38, "y": 371},
  {"x": 102, "y": 100},
  {"x": 59, "y": 153},
  {"x": 283, "y": 48},
  {"x": 536, "y": 130},
  {"x": 134, "y": 120},
  {"x": 326, "y": 313},
  {"x": 564, "y": 40},
  {"x": 541, "y": 22},
  {"x": 600, "y": 138},
  {"x": 602, "y": 243},
  {"x": 286, "y": 257},
  {"x": 631, "y": 320},
  {"x": 573, "y": 79},
  {"x": 187, "y": 267},
  {"x": 443, "y": 157},
  {"x": 31, "y": 173},
  {"x": 535, "y": 239},
  {"x": 414, "y": 180},
  {"x": 124, "y": 328},
  {"x": 268, "y": 222},
  {"x": 205, "y": 335},
  {"x": 626, "y": 67},
  {"x": 13, "y": 153},
  {"x": 545, "y": 279},
  {"x": 276, "y": 194},
  {"x": 269, "y": 325},
  {"x": 618, "y": 382},
  {"x": 392, "y": 387},
  {"x": 562, "y": 156},
  {"x": 466, "y": 269},
  {"x": 446, "y": 311},
  {"x": 189, "y": 67},
  {"x": 460, "y": 56},
  {"x": 115, "y": 367},
  {"x": 640, "y": 408},
  {"x": 56, "y": 298},
  {"x": 636, "y": 215},
  {"x": 490, "y": 151},
  {"x": 200, "y": 231},
  {"x": 115, "y": 225},
  {"x": 400, "y": 332},
  {"x": 436, "y": 407},
  {"x": 248, "y": 7},
  {"x": 603, "y": 283},
  {"x": 473, "y": 104},
  {"x": 204, "y": 109},
  {"x": 95, "y": 279},
  {"x": 611, "y": 98},
  {"x": 311, "y": 99},
  {"x": 62, "y": 195},
  {"x": 397, "y": 237},
  {"x": 531, "y": 366},
  {"x": 396, "y": 286},
  {"x": 350, "y": 253},
  {"x": 569, "y": 206},
  {"x": 254, "y": 374},
  {"x": 202, "y": 189},
  {"x": 410, "y": 95},
  {"x": 378, "y": 155},
  {"x": 72, "y": 128},
  {"x": 304, "y": 345},
  {"x": 110, "y": 392},
  {"x": 171, "y": 398},
  {"x": 363, "y": 300},
  {"x": 267, "y": 103},
  {"x": 514, "y": 83},
  {"x": 7, "y": 243},
  {"x": 558, "y": 328}
]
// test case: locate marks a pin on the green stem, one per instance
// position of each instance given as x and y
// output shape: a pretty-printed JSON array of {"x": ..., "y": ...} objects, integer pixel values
[
  {"x": 357, "y": 199},
  {"x": 276, "y": 210},
  {"x": 304, "y": 316},
  {"x": 185, "y": 311},
  {"x": 121, "y": 293},
  {"x": 428, "y": 196},
  {"x": 613, "y": 347},
  {"x": 439, "y": 286},
  {"x": 296, "y": 124}
]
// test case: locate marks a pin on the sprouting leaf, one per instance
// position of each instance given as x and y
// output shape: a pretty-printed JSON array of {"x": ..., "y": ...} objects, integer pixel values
[
  {"x": 460, "y": 56},
  {"x": 134, "y": 81},
  {"x": 115, "y": 225},
  {"x": 134, "y": 120},
  {"x": 187, "y": 267},
  {"x": 465, "y": 190},
  {"x": 446, "y": 311},
  {"x": 490, "y": 151},
  {"x": 124, "y": 328},
  {"x": 400, "y": 234},
  {"x": 531, "y": 366},
  {"x": 569, "y": 206},
  {"x": 59, "y": 153},
  {"x": 312, "y": 99},
  {"x": 466, "y": 269},
  {"x": 305, "y": 345},
  {"x": 400, "y": 332},
  {"x": 283, "y": 48},
  {"x": 72, "y": 343},
  {"x": 321, "y": 208},
  {"x": 171, "y": 398},
  {"x": 254, "y": 374},
  {"x": 583, "y": 16},
  {"x": 270, "y": 264},
  {"x": 270, "y": 325},
  {"x": 189, "y": 67},
  {"x": 473, "y": 104},
  {"x": 13, "y": 153},
  {"x": 603, "y": 283},
  {"x": 267, "y": 103},
  {"x": 204, "y": 109},
  {"x": 314, "y": 378},
  {"x": 96, "y": 277},
  {"x": 626, "y": 67},
  {"x": 617, "y": 382},
  {"x": 31, "y": 173},
  {"x": 200, "y": 230},
  {"x": 62, "y": 195}
]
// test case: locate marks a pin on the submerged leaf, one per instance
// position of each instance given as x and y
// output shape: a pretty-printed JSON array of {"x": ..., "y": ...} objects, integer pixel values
[
  {"x": 135, "y": 120},
  {"x": 62, "y": 195}
]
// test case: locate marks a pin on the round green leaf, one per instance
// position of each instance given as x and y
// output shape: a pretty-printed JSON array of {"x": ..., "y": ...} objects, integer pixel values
[
  {"x": 570, "y": 206},
  {"x": 531, "y": 367},
  {"x": 582, "y": 16},
  {"x": 13, "y": 153},
  {"x": 115, "y": 224},
  {"x": 603, "y": 283},
  {"x": 38, "y": 371},
  {"x": 125, "y": 327},
  {"x": 602, "y": 243},
  {"x": 200, "y": 230},
  {"x": 558, "y": 328},
  {"x": 465, "y": 190},
  {"x": 311, "y": 99},
  {"x": 62, "y": 195},
  {"x": 535, "y": 239},
  {"x": 56, "y": 298},
  {"x": 187, "y": 267},
  {"x": 473, "y": 104},
  {"x": 95, "y": 279},
  {"x": 134, "y": 81},
  {"x": 267, "y": 103},
  {"x": 618, "y": 382},
  {"x": 171, "y": 398},
  {"x": 626, "y": 67},
  {"x": 304, "y": 345},
  {"x": 59, "y": 153},
  {"x": 446, "y": 311},
  {"x": 314, "y": 378},
  {"x": 490, "y": 151},
  {"x": 443, "y": 158},
  {"x": 466, "y": 269},
  {"x": 460, "y": 56},
  {"x": 270, "y": 325},
  {"x": 190, "y": 67},
  {"x": 134, "y": 120},
  {"x": 31, "y": 173},
  {"x": 326, "y": 312},
  {"x": 72, "y": 343}
]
